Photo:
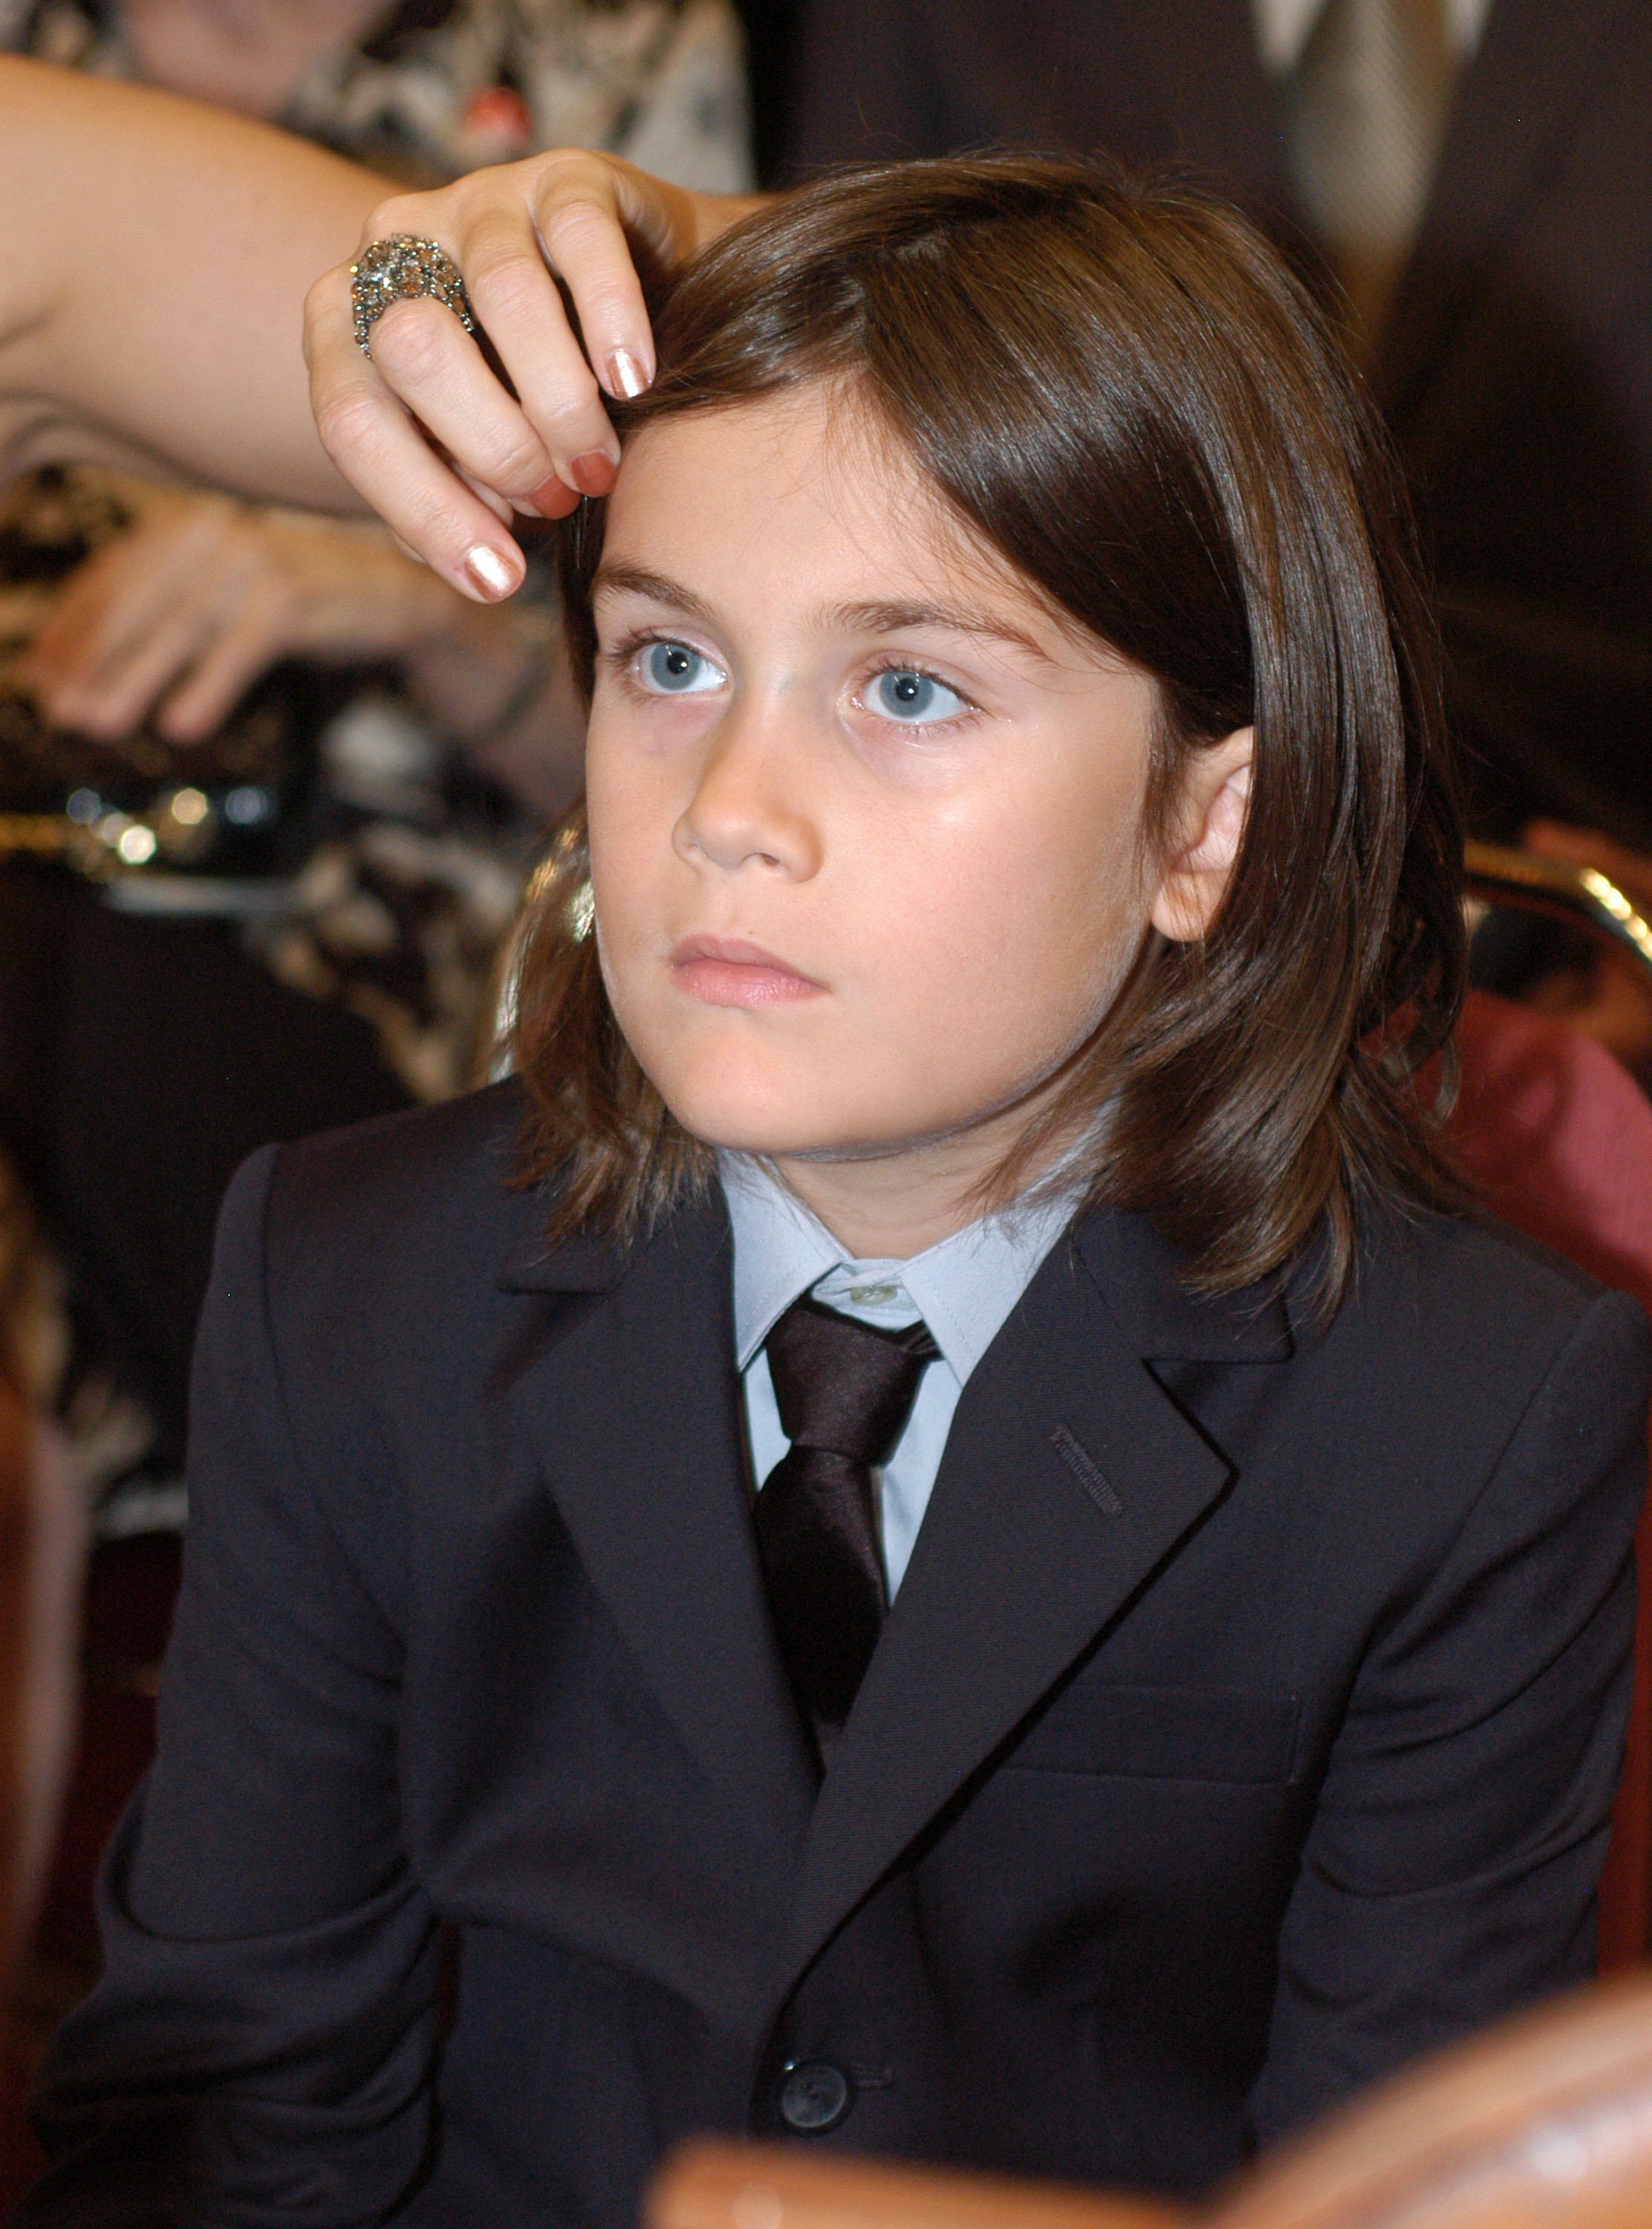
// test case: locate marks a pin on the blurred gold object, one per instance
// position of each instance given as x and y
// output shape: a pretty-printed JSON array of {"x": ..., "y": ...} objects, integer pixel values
[
  {"x": 110, "y": 843},
  {"x": 55, "y": 836},
  {"x": 1496, "y": 874},
  {"x": 562, "y": 872}
]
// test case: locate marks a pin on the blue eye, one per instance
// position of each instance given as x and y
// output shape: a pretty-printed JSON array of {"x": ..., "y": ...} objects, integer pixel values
[
  {"x": 903, "y": 694},
  {"x": 671, "y": 669}
]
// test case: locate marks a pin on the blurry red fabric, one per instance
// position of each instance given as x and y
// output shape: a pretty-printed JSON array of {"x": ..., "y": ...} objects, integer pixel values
[{"x": 1557, "y": 1139}]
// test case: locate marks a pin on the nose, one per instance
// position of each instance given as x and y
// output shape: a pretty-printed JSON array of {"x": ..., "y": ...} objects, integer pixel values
[{"x": 752, "y": 809}]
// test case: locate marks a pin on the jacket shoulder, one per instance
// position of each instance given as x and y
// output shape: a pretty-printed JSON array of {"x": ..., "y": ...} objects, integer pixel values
[
  {"x": 1474, "y": 1317},
  {"x": 1471, "y": 1267},
  {"x": 383, "y": 1230},
  {"x": 417, "y": 1176}
]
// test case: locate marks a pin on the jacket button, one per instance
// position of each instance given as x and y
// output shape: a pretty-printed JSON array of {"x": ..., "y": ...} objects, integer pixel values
[{"x": 814, "y": 2097}]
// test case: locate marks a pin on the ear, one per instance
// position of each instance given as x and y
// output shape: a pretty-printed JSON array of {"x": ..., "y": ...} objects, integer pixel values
[{"x": 1209, "y": 825}]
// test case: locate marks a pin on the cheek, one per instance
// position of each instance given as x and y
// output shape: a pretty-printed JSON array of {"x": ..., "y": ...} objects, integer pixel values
[
  {"x": 629, "y": 815},
  {"x": 1022, "y": 934}
]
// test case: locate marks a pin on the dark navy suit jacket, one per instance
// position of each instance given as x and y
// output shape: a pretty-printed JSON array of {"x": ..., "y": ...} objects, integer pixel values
[{"x": 1200, "y": 1773}]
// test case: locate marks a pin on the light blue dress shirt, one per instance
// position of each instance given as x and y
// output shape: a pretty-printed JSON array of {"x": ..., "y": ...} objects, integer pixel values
[{"x": 964, "y": 1288}]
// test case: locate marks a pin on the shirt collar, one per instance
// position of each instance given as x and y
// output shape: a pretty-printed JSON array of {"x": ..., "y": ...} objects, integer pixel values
[{"x": 963, "y": 1287}]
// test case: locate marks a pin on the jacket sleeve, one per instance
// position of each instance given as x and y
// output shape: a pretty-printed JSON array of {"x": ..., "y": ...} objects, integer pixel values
[
  {"x": 259, "y": 2048},
  {"x": 1448, "y": 1877}
]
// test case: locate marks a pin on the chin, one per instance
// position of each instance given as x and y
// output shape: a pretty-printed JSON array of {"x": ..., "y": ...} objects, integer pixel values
[
  {"x": 745, "y": 1130},
  {"x": 802, "y": 1130},
  {"x": 773, "y": 1123}
]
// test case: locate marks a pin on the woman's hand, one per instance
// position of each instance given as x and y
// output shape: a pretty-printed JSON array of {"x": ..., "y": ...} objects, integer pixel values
[
  {"x": 201, "y": 594},
  {"x": 178, "y": 616},
  {"x": 425, "y": 430}
]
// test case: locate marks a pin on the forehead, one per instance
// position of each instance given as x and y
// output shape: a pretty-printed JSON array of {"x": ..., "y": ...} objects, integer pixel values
[{"x": 814, "y": 479}]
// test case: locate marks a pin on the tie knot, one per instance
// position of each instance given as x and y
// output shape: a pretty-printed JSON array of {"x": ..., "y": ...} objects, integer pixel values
[{"x": 844, "y": 1387}]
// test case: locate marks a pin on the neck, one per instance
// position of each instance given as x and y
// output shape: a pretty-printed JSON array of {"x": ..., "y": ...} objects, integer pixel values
[{"x": 891, "y": 1205}]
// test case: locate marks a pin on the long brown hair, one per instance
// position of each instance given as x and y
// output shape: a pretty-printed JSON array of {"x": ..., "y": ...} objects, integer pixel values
[{"x": 1117, "y": 384}]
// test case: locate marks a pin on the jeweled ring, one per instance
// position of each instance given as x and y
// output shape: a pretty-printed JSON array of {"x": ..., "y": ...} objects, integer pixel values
[{"x": 400, "y": 269}]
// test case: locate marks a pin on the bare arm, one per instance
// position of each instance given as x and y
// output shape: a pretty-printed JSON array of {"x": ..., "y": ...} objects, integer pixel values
[{"x": 154, "y": 257}]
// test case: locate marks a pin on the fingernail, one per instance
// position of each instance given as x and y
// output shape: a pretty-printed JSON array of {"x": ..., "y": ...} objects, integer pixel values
[
  {"x": 553, "y": 498},
  {"x": 625, "y": 375},
  {"x": 490, "y": 570},
  {"x": 593, "y": 473}
]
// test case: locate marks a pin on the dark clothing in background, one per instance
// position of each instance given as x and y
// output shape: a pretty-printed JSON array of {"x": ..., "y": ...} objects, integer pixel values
[
  {"x": 140, "y": 1062},
  {"x": 1197, "y": 1778},
  {"x": 1516, "y": 369}
]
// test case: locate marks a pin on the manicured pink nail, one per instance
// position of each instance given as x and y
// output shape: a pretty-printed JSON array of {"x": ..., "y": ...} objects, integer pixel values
[
  {"x": 491, "y": 571},
  {"x": 593, "y": 473},
  {"x": 625, "y": 375}
]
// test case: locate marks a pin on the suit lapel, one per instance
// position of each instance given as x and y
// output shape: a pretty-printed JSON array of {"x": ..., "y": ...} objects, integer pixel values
[
  {"x": 1525, "y": 91},
  {"x": 631, "y": 1402},
  {"x": 1069, "y": 1477}
]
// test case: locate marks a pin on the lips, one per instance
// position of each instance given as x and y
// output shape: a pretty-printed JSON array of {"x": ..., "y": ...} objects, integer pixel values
[{"x": 728, "y": 971}]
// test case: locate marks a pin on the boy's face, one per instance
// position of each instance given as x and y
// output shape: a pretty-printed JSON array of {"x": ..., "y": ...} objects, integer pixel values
[{"x": 863, "y": 815}]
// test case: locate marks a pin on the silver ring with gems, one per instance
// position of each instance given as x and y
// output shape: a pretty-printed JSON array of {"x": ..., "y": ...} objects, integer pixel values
[{"x": 400, "y": 269}]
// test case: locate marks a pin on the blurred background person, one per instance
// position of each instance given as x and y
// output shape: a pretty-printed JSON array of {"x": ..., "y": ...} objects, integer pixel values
[
  {"x": 1475, "y": 179},
  {"x": 334, "y": 717}
]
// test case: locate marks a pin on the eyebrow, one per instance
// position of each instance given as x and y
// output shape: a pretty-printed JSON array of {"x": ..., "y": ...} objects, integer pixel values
[
  {"x": 898, "y": 618},
  {"x": 893, "y": 617},
  {"x": 659, "y": 588}
]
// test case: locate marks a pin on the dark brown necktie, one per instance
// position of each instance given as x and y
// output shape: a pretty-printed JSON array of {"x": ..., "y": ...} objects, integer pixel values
[{"x": 844, "y": 1390}]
